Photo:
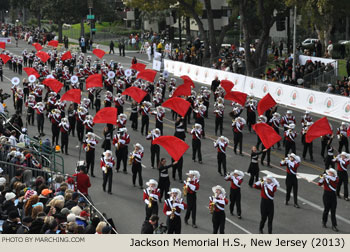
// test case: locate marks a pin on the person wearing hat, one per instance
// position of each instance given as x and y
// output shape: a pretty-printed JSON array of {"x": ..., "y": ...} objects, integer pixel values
[
  {"x": 343, "y": 137},
  {"x": 134, "y": 115},
  {"x": 107, "y": 163},
  {"x": 292, "y": 163},
  {"x": 236, "y": 179},
  {"x": 267, "y": 186},
  {"x": 307, "y": 146},
  {"x": 64, "y": 128},
  {"x": 151, "y": 196},
  {"x": 217, "y": 208},
  {"x": 221, "y": 144},
  {"x": 119, "y": 102},
  {"x": 159, "y": 114},
  {"x": 82, "y": 219},
  {"x": 12, "y": 224},
  {"x": 197, "y": 134},
  {"x": 23, "y": 138},
  {"x": 200, "y": 113},
  {"x": 289, "y": 136},
  {"x": 9, "y": 204},
  {"x": 89, "y": 146},
  {"x": 144, "y": 111},
  {"x": 136, "y": 168},
  {"x": 251, "y": 116},
  {"x": 89, "y": 124},
  {"x": 288, "y": 119},
  {"x": 219, "y": 118},
  {"x": 155, "y": 149},
  {"x": 44, "y": 196},
  {"x": 342, "y": 161},
  {"x": 237, "y": 127},
  {"x": 80, "y": 115},
  {"x": 39, "y": 109},
  {"x": 30, "y": 103},
  {"x": 121, "y": 121},
  {"x": 191, "y": 186},
  {"x": 275, "y": 122},
  {"x": 55, "y": 118},
  {"x": 82, "y": 181},
  {"x": 121, "y": 141},
  {"x": 25, "y": 225},
  {"x": 172, "y": 209},
  {"x": 329, "y": 181}
]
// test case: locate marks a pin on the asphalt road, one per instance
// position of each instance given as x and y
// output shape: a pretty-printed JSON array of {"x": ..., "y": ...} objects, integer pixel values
[{"x": 126, "y": 207}]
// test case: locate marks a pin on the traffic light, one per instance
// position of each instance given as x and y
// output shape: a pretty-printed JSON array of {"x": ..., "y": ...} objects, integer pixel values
[{"x": 280, "y": 22}]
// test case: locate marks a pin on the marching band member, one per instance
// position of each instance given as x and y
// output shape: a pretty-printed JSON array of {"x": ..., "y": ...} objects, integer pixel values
[
  {"x": 219, "y": 118},
  {"x": 251, "y": 117},
  {"x": 151, "y": 196},
  {"x": 55, "y": 118},
  {"x": 289, "y": 135},
  {"x": 342, "y": 137},
  {"x": 107, "y": 164},
  {"x": 89, "y": 124},
  {"x": 200, "y": 114},
  {"x": 197, "y": 134},
  {"x": 86, "y": 103},
  {"x": 307, "y": 146},
  {"x": 342, "y": 161},
  {"x": 180, "y": 128},
  {"x": 329, "y": 180},
  {"x": 237, "y": 127},
  {"x": 254, "y": 165},
  {"x": 164, "y": 181},
  {"x": 51, "y": 101},
  {"x": 108, "y": 99},
  {"x": 107, "y": 133},
  {"x": 306, "y": 119},
  {"x": 134, "y": 115},
  {"x": 121, "y": 141},
  {"x": 326, "y": 141},
  {"x": 172, "y": 209},
  {"x": 159, "y": 115},
  {"x": 191, "y": 186},
  {"x": 121, "y": 122},
  {"x": 155, "y": 149},
  {"x": 80, "y": 115},
  {"x": 144, "y": 110},
  {"x": 64, "y": 127},
  {"x": 19, "y": 99},
  {"x": 30, "y": 103},
  {"x": 217, "y": 208},
  {"x": 38, "y": 93},
  {"x": 109, "y": 83},
  {"x": 119, "y": 102},
  {"x": 268, "y": 186},
  {"x": 236, "y": 178},
  {"x": 236, "y": 110},
  {"x": 71, "y": 118},
  {"x": 274, "y": 122},
  {"x": 89, "y": 146},
  {"x": 292, "y": 163},
  {"x": 206, "y": 96},
  {"x": 135, "y": 158},
  {"x": 91, "y": 96},
  {"x": 40, "y": 108},
  {"x": 221, "y": 143},
  {"x": 157, "y": 99},
  {"x": 288, "y": 119}
]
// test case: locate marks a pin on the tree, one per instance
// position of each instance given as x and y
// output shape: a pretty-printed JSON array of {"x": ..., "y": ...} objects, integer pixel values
[{"x": 257, "y": 17}]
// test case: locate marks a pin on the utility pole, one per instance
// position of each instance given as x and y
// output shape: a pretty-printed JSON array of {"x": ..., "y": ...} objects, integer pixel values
[
  {"x": 90, "y": 3},
  {"x": 180, "y": 31},
  {"x": 294, "y": 40}
]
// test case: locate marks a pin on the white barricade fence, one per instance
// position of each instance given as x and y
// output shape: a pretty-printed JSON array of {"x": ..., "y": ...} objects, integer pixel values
[
  {"x": 334, "y": 106},
  {"x": 157, "y": 64},
  {"x": 6, "y": 40},
  {"x": 304, "y": 58}
]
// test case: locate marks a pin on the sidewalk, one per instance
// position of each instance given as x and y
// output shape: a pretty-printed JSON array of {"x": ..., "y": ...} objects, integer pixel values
[{"x": 103, "y": 47}]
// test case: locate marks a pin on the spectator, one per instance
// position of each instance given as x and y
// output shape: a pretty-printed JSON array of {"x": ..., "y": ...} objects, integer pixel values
[
  {"x": 100, "y": 226},
  {"x": 150, "y": 225},
  {"x": 83, "y": 181},
  {"x": 26, "y": 223},
  {"x": 111, "y": 47},
  {"x": 12, "y": 223}
]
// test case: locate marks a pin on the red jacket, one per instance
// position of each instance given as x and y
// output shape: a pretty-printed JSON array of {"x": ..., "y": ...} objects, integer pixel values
[
  {"x": 83, "y": 182},
  {"x": 266, "y": 192},
  {"x": 235, "y": 181}
]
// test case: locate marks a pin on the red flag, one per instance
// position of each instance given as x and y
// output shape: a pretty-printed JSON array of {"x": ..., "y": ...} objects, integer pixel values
[
  {"x": 227, "y": 85},
  {"x": 106, "y": 115},
  {"x": 267, "y": 134},
  {"x": 3, "y": 45},
  {"x": 173, "y": 145},
  {"x": 177, "y": 104},
  {"x": 94, "y": 80},
  {"x": 236, "y": 96},
  {"x": 37, "y": 46},
  {"x": 187, "y": 79},
  {"x": 53, "y": 84},
  {"x": 73, "y": 95},
  {"x": 30, "y": 71},
  {"x": 53, "y": 43},
  {"x": 265, "y": 103},
  {"x": 5, "y": 58},
  {"x": 66, "y": 56},
  {"x": 99, "y": 53},
  {"x": 138, "y": 67},
  {"x": 319, "y": 128},
  {"x": 184, "y": 89},
  {"x": 44, "y": 56},
  {"x": 136, "y": 93},
  {"x": 147, "y": 74}
]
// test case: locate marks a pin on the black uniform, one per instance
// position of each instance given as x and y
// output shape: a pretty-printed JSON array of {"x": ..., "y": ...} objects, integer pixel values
[
  {"x": 164, "y": 181},
  {"x": 254, "y": 167}
]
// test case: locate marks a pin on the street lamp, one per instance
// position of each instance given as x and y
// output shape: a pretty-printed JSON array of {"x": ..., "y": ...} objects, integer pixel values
[{"x": 90, "y": 5}]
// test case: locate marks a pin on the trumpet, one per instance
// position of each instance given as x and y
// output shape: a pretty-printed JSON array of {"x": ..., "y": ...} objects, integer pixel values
[
  {"x": 172, "y": 215},
  {"x": 150, "y": 199},
  {"x": 185, "y": 190}
]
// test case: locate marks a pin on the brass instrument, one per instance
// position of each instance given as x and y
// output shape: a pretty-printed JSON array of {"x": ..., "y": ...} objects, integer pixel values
[
  {"x": 172, "y": 215},
  {"x": 87, "y": 148},
  {"x": 212, "y": 206},
  {"x": 185, "y": 189},
  {"x": 150, "y": 199},
  {"x": 131, "y": 159}
]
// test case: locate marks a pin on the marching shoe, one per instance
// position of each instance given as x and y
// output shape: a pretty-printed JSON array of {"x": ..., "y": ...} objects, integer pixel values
[
  {"x": 334, "y": 228},
  {"x": 324, "y": 225},
  {"x": 194, "y": 226},
  {"x": 296, "y": 206}
]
